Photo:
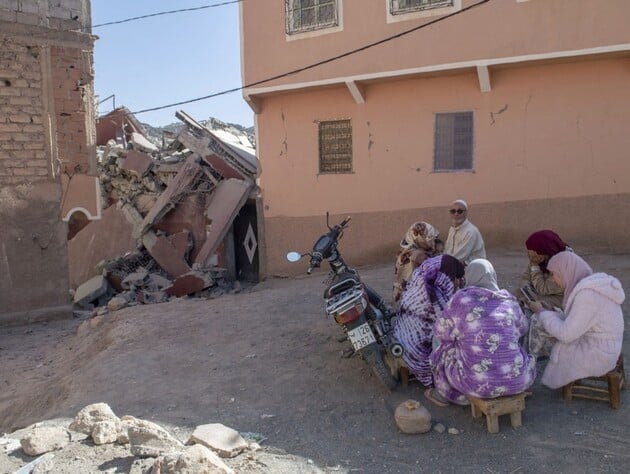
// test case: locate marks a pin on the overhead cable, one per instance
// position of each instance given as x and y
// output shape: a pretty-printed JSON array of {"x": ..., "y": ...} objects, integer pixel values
[{"x": 318, "y": 63}]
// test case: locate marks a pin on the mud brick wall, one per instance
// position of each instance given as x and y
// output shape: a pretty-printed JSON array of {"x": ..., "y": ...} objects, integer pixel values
[{"x": 46, "y": 110}]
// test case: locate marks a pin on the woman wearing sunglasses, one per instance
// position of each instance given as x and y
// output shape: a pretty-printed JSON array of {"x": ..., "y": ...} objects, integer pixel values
[{"x": 464, "y": 241}]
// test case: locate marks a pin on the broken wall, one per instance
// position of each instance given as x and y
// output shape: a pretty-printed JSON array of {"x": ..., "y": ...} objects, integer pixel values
[{"x": 46, "y": 136}]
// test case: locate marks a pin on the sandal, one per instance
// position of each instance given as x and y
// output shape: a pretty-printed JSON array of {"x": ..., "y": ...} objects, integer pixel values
[{"x": 429, "y": 395}]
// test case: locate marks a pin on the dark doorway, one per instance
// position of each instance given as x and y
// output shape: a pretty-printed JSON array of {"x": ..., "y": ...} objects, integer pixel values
[{"x": 246, "y": 243}]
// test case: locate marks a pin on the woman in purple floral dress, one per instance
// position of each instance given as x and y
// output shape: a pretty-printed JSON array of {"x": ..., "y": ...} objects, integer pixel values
[
  {"x": 478, "y": 353},
  {"x": 430, "y": 287}
]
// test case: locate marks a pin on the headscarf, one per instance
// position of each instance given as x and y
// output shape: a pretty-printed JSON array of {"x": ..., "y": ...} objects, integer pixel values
[
  {"x": 571, "y": 269},
  {"x": 439, "y": 274},
  {"x": 417, "y": 245},
  {"x": 420, "y": 235},
  {"x": 480, "y": 272},
  {"x": 545, "y": 242}
]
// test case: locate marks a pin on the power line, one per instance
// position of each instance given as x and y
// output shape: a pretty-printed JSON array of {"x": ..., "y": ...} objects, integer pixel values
[
  {"x": 319, "y": 63},
  {"x": 203, "y": 7}
]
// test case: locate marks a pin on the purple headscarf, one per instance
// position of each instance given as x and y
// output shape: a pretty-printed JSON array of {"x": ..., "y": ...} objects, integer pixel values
[{"x": 571, "y": 270}]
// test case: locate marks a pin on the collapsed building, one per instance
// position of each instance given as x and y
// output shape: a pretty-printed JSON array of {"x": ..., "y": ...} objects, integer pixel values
[{"x": 175, "y": 220}]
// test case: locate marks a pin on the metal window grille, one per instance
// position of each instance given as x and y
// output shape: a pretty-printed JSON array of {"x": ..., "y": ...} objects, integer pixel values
[
  {"x": 453, "y": 141},
  {"x": 309, "y": 15},
  {"x": 335, "y": 146},
  {"x": 397, "y": 7}
]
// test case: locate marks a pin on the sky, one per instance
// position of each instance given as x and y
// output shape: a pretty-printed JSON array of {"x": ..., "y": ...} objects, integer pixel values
[{"x": 165, "y": 59}]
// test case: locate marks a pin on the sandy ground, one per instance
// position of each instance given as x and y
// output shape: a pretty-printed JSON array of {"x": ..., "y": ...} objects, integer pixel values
[{"x": 267, "y": 361}]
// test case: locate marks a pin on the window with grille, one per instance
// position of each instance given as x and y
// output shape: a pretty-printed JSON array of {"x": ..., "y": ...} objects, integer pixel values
[
  {"x": 309, "y": 15},
  {"x": 335, "y": 146},
  {"x": 397, "y": 7},
  {"x": 453, "y": 146}
]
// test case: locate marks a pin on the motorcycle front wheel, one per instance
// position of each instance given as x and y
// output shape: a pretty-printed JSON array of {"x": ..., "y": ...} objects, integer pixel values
[{"x": 373, "y": 356}]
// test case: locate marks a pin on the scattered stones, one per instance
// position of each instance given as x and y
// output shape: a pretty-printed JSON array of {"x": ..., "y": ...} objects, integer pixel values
[
  {"x": 196, "y": 458},
  {"x": 439, "y": 428},
  {"x": 87, "y": 418},
  {"x": 148, "y": 439},
  {"x": 43, "y": 439},
  {"x": 225, "y": 441}
]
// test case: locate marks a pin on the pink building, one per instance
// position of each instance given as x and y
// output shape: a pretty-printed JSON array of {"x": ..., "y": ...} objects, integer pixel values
[{"x": 387, "y": 110}]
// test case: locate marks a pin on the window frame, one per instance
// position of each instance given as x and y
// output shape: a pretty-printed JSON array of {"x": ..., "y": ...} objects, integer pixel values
[
  {"x": 412, "y": 13},
  {"x": 471, "y": 145},
  {"x": 320, "y": 157},
  {"x": 319, "y": 29}
]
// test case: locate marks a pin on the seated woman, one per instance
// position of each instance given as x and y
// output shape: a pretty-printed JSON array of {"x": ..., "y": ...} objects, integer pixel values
[
  {"x": 541, "y": 246},
  {"x": 590, "y": 331},
  {"x": 430, "y": 287},
  {"x": 478, "y": 353},
  {"x": 419, "y": 243}
]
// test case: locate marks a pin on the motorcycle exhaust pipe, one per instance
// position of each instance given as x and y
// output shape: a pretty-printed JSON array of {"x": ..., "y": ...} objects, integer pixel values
[{"x": 396, "y": 350}]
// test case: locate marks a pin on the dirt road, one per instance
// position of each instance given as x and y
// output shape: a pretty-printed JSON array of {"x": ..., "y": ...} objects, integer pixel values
[{"x": 267, "y": 361}]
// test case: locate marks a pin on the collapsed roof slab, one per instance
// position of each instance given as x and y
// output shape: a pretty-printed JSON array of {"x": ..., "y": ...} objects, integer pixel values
[
  {"x": 103, "y": 239},
  {"x": 190, "y": 172},
  {"x": 169, "y": 251},
  {"x": 230, "y": 160},
  {"x": 225, "y": 203}
]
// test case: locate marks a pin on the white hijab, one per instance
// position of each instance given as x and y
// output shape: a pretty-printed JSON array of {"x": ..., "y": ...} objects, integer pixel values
[{"x": 480, "y": 272}]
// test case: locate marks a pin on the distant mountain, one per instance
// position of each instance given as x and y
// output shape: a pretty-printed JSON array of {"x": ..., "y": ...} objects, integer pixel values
[{"x": 155, "y": 133}]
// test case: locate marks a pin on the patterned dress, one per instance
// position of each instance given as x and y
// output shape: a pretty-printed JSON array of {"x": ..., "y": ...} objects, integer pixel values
[
  {"x": 478, "y": 352},
  {"x": 426, "y": 294}
]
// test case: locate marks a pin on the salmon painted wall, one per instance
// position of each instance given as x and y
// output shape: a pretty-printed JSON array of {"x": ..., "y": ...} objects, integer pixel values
[
  {"x": 543, "y": 134},
  {"x": 495, "y": 29},
  {"x": 535, "y": 134}
]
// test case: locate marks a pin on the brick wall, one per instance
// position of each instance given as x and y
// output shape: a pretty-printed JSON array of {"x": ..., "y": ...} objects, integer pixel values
[
  {"x": 23, "y": 156},
  {"x": 71, "y": 79},
  {"x": 46, "y": 133}
]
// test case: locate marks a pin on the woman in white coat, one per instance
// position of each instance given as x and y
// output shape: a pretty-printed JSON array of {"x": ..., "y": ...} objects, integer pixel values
[{"x": 590, "y": 330}]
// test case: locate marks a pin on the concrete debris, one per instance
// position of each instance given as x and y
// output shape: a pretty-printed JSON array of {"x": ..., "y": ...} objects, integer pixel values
[
  {"x": 226, "y": 441},
  {"x": 168, "y": 216},
  {"x": 155, "y": 448},
  {"x": 43, "y": 439}
]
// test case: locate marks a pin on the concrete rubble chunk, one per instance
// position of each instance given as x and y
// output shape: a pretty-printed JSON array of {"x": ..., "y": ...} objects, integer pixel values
[
  {"x": 87, "y": 417},
  {"x": 157, "y": 282},
  {"x": 225, "y": 441},
  {"x": 188, "y": 284},
  {"x": 148, "y": 439},
  {"x": 170, "y": 252},
  {"x": 136, "y": 279},
  {"x": 195, "y": 459},
  {"x": 117, "y": 303},
  {"x": 43, "y": 439},
  {"x": 91, "y": 290},
  {"x": 106, "y": 432},
  {"x": 137, "y": 163}
]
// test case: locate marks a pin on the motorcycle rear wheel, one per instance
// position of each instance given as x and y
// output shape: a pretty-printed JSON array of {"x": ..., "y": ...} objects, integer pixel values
[{"x": 373, "y": 356}]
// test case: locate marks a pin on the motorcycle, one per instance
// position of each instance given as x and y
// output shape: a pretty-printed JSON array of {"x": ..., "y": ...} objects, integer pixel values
[{"x": 366, "y": 318}]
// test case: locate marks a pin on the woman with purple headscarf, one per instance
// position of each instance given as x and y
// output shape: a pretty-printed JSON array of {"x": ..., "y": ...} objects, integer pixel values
[
  {"x": 589, "y": 331},
  {"x": 478, "y": 353},
  {"x": 430, "y": 287}
]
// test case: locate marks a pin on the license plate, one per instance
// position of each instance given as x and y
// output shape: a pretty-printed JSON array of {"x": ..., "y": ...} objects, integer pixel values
[{"x": 361, "y": 336}]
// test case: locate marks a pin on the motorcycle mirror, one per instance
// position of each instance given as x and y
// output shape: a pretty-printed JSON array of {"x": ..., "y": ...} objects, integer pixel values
[{"x": 293, "y": 256}]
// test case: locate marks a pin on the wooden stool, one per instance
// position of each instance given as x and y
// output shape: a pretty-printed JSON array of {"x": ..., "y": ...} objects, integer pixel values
[
  {"x": 593, "y": 388},
  {"x": 495, "y": 407}
]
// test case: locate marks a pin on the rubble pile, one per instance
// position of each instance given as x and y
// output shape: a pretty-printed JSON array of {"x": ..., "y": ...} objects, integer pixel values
[
  {"x": 212, "y": 447},
  {"x": 166, "y": 213}
]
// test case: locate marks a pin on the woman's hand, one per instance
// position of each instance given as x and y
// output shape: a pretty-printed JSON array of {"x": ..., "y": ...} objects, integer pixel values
[{"x": 535, "y": 306}]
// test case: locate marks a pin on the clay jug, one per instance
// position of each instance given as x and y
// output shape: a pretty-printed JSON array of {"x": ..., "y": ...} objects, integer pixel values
[{"x": 411, "y": 417}]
